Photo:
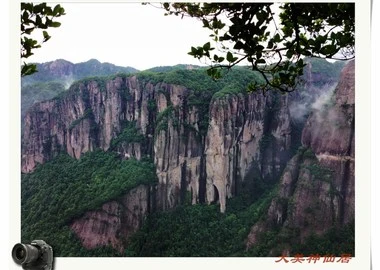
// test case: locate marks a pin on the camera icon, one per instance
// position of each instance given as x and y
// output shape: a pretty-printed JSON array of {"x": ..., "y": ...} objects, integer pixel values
[{"x": 34, "y": 256}]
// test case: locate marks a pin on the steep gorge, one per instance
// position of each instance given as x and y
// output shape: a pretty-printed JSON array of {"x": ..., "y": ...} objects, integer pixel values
[{"x": 202, "y": 157}]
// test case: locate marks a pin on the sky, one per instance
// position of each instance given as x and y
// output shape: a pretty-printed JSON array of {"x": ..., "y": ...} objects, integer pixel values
[{"x": 124, "y": 34}]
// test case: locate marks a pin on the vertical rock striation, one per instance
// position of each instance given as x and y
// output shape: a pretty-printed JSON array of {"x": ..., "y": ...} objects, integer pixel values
[
  {"x": 246, "y": 137},
  {"x": 245, "y": 132},
  {"x": 317, "y": 187}
]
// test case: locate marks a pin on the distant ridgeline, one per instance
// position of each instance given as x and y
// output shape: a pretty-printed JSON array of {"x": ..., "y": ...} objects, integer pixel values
[
  {"x": 168, "y": 162},
  {"x": 54, "y": 77}
]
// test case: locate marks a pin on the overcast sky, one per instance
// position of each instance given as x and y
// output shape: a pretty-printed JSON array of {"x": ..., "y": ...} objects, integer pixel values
[{"x": 125, "y": 34}]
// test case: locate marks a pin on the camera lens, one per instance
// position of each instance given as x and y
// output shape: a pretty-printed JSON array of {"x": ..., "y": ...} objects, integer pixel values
[
  {"x": 20, "y": 253},
  {"x": 24, "y": 253}
]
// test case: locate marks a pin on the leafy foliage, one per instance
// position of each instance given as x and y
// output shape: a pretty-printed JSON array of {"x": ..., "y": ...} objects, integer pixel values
[
  {"x": 129, "y": 134},
  {"x": 36, "y": 16},
  {"x": 273, "y": 44},
  {"x": 336, "y": 241},
  {"x": 86, "y": 114},
  {"x": 65, "y": 188},
  {"x": 199, "y": 230},
  {"x": 203, "y": 88}
]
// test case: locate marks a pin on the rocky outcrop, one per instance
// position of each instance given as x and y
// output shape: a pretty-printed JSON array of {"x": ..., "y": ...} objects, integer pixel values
[
  {"x": 115, "y": 221},
  {"x": 317, "y": 187}
]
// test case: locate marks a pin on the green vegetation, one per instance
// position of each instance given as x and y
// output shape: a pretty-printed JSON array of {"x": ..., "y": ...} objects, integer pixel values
[
  {"x": 321, "y": 173},
  {"x": 336, "y": 241},
  {"x": 95, "y": 68},
  {"x": 322, "y": 68},
  {"x": 34, "y": 17},
  {"x": 199, "y": 230},
  {"x": 309, "y": 154},
  {"x": 129, "y": 134},
  {"x": 171, "y": 68},
  {"x": 274, "y": 46},
  {"x": 233, "y": 89},
  {"x": 197, "y": 79},
  {"x": 203, "y": 88},
  {"x": 163, "y": 118},
  {"x": 64, "y": 188},
  {"x": 86, "y": 114}
]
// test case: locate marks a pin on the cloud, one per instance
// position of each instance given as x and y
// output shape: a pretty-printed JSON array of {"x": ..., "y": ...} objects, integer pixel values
[{"x": 311, "y": 99}]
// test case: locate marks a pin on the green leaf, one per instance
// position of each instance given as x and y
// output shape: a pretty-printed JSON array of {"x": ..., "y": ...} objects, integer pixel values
[
  {"x": 28, "y": 69},
  {"x": 46, "y": 36},
  {"x": 238, "y": 45},
  {"x": 55, "y": 24},
  {"x": 29, "y": 30},
  {"x": 277, "y": 38},
  {"x": 230, "y": 57},
  {"x": 329, "y": 50},
  {"x": 289, "y": 53},
  {"x": 38, "y": 8},
  {"x": 38, "y": 21},
  {"x": 270, "y": 44},
  {"x": 207, "y": 46},
  {"x": 300, "y": 63},
  {"x": 206, "y": 23}
]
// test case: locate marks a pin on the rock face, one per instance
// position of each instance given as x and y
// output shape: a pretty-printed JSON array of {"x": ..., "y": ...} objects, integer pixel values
[
  {"x": 331, "y": 135},
  {"x": 317, "y": 187},
  {"x": 242, "y": 134},
  {"x": 115, "y": 221},
  {"x": 210, "y": 166},
  {"x": 245, "y": 137}
]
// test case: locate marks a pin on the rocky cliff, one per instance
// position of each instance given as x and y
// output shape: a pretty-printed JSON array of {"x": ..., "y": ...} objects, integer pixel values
[
  {"x": 210, "y": 166},
  {"x": 317, "y": 188},
  {"x": 203, "y": 152},
  {"x": 115, "y": 221}
]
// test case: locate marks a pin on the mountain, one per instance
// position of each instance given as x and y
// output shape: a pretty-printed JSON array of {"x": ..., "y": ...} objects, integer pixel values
[
  {"x": 54, "y": 77},
  {"x": 155, "y": 163},
  {"x": 67, "y": 72},
  {"x": 172, "y": 68}
]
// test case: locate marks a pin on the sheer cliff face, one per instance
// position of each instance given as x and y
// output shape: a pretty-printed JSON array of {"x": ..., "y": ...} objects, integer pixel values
[
  {"x": 246, "y": 137},
  {"x": 330, "y": 133},
  {"x": 317, "y": 187},
  {"x": 209, "y": 165},
  {"x": 87, "y": 118},
  {"x": 243, "y": 133}
]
